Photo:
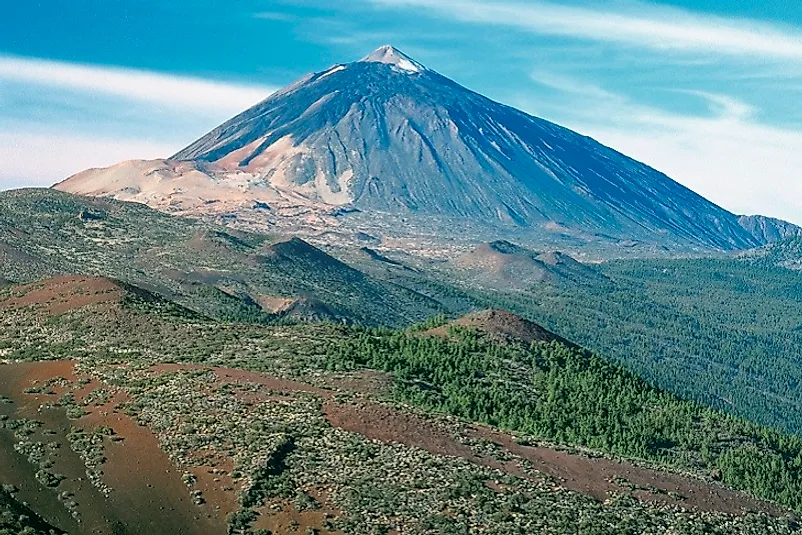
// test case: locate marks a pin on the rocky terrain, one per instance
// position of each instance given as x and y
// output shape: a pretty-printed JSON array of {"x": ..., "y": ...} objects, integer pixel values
[
  {"x": 222, "y": 273},
  {"x": 308, "y": 429},
  {"x": 721, "y": 331},
  {"x": 768, "y": 229},
  {"x": 505, "y": 265}
]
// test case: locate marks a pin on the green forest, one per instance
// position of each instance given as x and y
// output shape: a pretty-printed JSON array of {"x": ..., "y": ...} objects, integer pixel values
[
  {"x": 724, "y": 332},
  {"x": 572, "y": 396}
]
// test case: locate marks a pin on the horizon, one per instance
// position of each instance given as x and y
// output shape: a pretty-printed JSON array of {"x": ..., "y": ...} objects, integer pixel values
[{"x": 680, "y": 86}]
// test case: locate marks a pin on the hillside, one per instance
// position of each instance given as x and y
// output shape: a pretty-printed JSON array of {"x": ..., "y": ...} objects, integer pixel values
[
  {"x": 768, "y": 229},
  {"x": 735, "y": 348},
  {"x": 71, "y": 293},
  {"x": 378, "y": 138},
  {"x": 500, "y": 326},
  {"x": 216, "y": 272},
  {"x": 347, "y": 430},
  {"x": 339, "y": 429},
  {"x": 504, "y": 265},
  {"x": 725, "y": 332},
  {"x": 785, "y": 253}
]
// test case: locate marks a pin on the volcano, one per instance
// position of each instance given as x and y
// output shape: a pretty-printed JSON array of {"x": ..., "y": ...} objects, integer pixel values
[{"x": 386, "y": 135}]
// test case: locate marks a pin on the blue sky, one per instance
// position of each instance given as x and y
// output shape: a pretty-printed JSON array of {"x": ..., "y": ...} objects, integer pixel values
[{"x": 707, "y": 91}]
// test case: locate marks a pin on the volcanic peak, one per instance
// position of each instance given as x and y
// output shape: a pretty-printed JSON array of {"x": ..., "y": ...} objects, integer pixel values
[{"x": 390, "y": 55}]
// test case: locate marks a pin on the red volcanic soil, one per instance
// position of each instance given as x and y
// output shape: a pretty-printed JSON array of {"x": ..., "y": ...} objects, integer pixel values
[
  {"x": 595, "y": 477},
  {"x": 281, "y": 516},
  {"x": 277, "y": 516},
  {"x": 15, "y": 468},
  {"x": 148, "y": 494},
  {"x": 590, "y": 476},
  {"x": 63, "y": 294},
  {"x": 386, "y": 424}
]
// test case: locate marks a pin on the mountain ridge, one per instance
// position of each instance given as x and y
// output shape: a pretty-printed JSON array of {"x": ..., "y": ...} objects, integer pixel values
[
  {"x": 214, "y": 271},
  {"x": 769, "y": 229}
]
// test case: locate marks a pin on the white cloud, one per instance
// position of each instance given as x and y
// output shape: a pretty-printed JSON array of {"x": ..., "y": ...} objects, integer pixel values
[
  {"x": 572, "y": 86},
  {"x": 43, "y": 158},
  {"x": 131, "y": 84},
  {"x": 732, "y": 154},
  {"x": 728, "y": 155},
  {"x": 746, "y": 168},
  {"x": 725, "y": 105},
  {"x": 635, "y": 23},
  {"x": 65, "y": 127}
]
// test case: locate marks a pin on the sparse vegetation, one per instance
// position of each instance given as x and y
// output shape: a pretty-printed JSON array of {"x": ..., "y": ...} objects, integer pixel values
[
  {"x": 17, "y": 519},
  {"x": 270, "y": 445}
]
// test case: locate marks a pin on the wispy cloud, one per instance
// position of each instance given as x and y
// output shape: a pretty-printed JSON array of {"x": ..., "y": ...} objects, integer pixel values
[
  {"x": 704, "y": 98},
  {"x": 276, "y": 16},
  {"x": 634, "y": 23},
  {"x": 573, "y": 86},
  {"x": 724, "y": 105},
  {"x": 131, "y": 84},
  {"x": 745, "y": 167},
  {"x": 728, "y": 155},
  {"x": 65, "y": 117}
]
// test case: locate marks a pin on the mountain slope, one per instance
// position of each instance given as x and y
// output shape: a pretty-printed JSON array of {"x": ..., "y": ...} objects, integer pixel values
[
  {"x": 504, "y": 265},
  {"x": 220, "y": 273},
  {"x": 502, "y": 327},
  {"x": 386, "y": 135},
  {"x": 786, "y": 253},
  {"x": 725, "y": 332},
  {"x": 769, "y": 229}
]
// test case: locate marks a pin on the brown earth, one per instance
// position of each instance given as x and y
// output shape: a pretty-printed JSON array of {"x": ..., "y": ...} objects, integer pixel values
[
  {"x": 148, "y": 495},
  {"x": 282, "y": 516},
  {"x": 274, "y": 305},
  {"x": 16, "y": 469},
  {"x": 213, "y": 478},
  {"x": 502, "y": 326},
  {"x": 65, "y": 293},
  {"x": 208, "y": 241},
  {"x": 591, "y": 476},
  {"x": 596, "y": 477},
  {"x": 502, "y": 258}
]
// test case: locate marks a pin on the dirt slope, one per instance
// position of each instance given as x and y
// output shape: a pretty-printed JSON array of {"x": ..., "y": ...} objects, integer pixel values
[
  {"x": 146, "y": 493},
  {"x": 502, "y": 326}
]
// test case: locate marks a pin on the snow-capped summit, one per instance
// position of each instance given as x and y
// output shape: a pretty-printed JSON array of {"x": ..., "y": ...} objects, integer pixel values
[{"x": 390, "y": 55}]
